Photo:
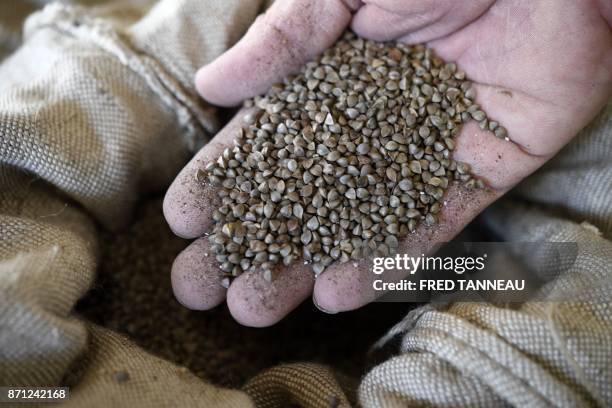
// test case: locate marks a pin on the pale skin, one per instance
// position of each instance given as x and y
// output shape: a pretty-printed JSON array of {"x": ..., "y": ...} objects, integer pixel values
[{"x": 541, "y": 68}]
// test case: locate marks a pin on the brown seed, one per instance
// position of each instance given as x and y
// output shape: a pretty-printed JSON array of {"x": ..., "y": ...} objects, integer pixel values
[
  {"x": 312, "y": 224},
  {"x": 363, "y": 148},
  {"x": 391, "y": 174},
  {"x": 435, "y": 181},
  {"x": 392, "y": 228},
  {"x": 306, "y": 237},
  {"x": 292, "y": 165},
  {"x": 424, "y": 131},
  {"x": 268, "y": 210},
  {"x": 430, "y": 219},
  {"x": 362, "y": 193},
  {"x": 391, "y": 146},
  {"x": 257, "y": 246},
  {"x": 415, "y": 166},
  {"x": 405, "y": 185},
  {"x": 298, "y": 211},
  {"x": 318, "y": 268},
  {"x": 333, "y": 156},
  {"x": 352, "y": 100},
  {"x": 501, "y": 132},
  {"x": 352, "y": 113},
  {"x": 413, "y": 213},
  {"x": 463, "y": 168},
  {"x": 286, "y": 211},
  {"x": 478, "y": 115},
  {"x": 200, "y": 176},
  {"x": 322, "y": 150},
  {"x": 394, "y": 201},
  {"x": 275, "y": 196}
]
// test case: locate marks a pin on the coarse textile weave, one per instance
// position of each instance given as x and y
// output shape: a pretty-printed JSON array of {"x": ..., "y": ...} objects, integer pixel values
[{"x": 97, "y": 109}]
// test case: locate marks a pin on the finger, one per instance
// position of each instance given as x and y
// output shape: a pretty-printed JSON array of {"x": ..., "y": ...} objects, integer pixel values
[
  {"x": 189, "y": 203},
  {"x": 349, "y": 286},
  {"x": 256, "y": 302},
  {"x": 415, "y": 21},
  {"x": 196, "y": 277},
  {"x": 289, "y": 34},
  {"x": 388, "y": 22}
]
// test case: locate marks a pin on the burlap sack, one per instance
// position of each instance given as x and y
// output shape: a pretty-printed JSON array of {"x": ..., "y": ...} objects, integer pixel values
[{"x": 97, "y": 108}]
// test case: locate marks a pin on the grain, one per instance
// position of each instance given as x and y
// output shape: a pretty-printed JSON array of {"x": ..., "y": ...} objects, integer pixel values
[{"x": 343, "y": 159}]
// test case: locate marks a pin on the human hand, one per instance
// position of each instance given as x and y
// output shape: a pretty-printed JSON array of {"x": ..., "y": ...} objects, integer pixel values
[{"x": 542, "y": 69}]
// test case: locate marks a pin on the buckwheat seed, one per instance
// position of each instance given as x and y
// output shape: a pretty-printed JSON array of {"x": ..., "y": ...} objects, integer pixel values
[{"x": 343, "y": 159}]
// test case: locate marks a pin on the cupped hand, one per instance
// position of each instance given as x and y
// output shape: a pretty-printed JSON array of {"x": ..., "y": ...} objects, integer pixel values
[{"x": 542, "y": 69}]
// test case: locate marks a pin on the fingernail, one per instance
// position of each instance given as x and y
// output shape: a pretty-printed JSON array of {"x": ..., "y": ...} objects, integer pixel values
[{"x": 314, "y": 300}]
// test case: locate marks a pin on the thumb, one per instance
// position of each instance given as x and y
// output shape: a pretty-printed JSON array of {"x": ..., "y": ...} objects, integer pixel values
[
  {"x": 415, "y": 21},
  {"x": 279, "y": 42}
]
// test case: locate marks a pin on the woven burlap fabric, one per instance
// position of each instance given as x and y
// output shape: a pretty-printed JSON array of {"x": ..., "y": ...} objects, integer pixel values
[
  {"x": 97, "y": 108},
  {"x": 93, "y": 115},
  {"x": 148, "y": 381},
  {"x": 299, "y": 384},
  {"x": 547, "y": 353}
]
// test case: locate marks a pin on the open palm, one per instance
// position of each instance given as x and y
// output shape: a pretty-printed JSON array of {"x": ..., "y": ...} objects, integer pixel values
[{"x": 543, "y": 69}]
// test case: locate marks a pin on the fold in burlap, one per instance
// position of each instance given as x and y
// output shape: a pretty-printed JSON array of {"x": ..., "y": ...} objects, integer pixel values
[{"x": 97, "y": 108}]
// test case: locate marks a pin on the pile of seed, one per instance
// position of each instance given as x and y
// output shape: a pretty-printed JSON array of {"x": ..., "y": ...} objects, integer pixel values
[{"x": 342, "y": 160}]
